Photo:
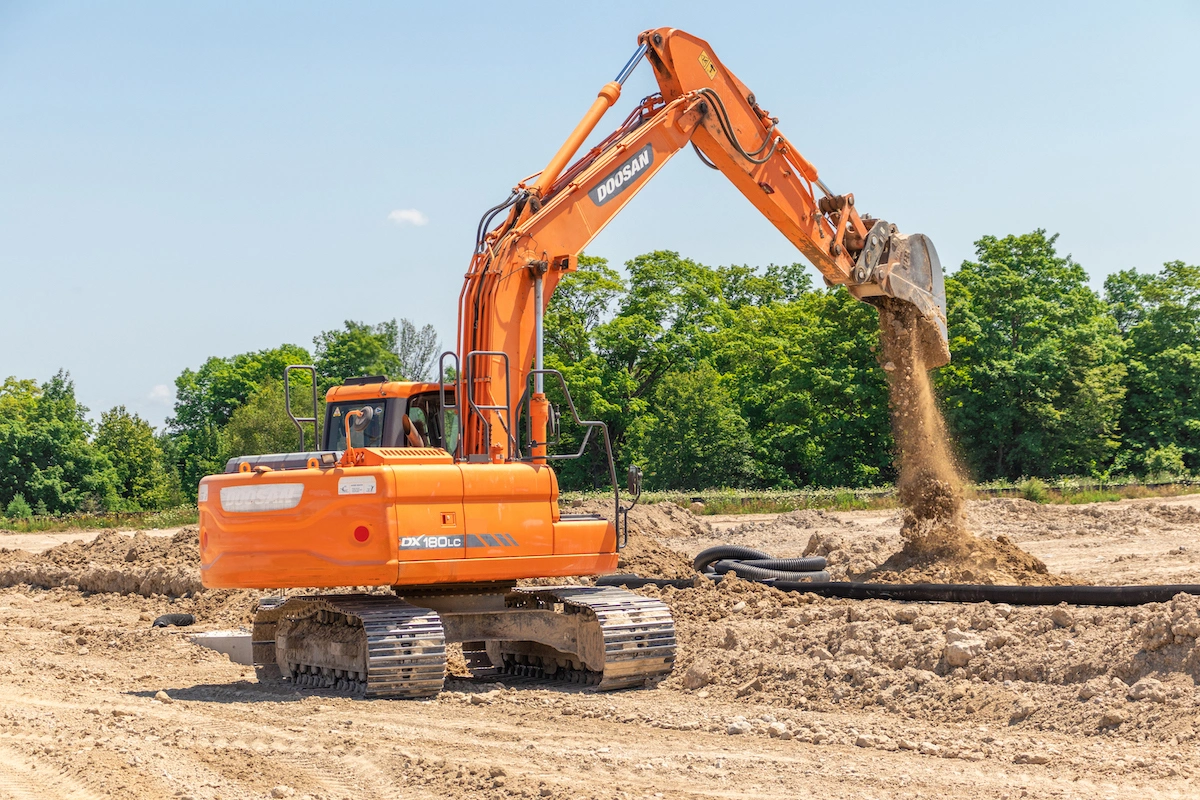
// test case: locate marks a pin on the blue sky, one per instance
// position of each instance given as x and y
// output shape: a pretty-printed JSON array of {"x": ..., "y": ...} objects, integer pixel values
[{"x": 185, "y": 180}]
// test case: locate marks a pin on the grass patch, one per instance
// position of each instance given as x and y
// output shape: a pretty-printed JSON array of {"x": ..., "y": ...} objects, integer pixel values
[
  {"x": 1090, "y": 496},
  {"x": 1035, "y": 491},
  {"x": 1072, "y": 491},
  {"x": 136, "y": 520}
]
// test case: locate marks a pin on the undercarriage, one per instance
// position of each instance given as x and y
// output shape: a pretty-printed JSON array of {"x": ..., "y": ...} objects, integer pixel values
[{"x": 394, "y": 646}]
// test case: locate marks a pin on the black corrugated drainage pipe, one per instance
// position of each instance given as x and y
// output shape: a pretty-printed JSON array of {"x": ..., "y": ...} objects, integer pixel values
[
  {"x": 756, "y": 565},
  {"x": 952, "y": 592}
]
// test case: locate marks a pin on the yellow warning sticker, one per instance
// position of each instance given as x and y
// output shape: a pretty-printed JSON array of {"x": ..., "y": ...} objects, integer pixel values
[{"x": 708, "y": 65}]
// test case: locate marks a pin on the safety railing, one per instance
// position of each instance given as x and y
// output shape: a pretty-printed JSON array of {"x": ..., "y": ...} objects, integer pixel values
[
  {"x": 299, "y": 422},
  {"x": 635, "y": 477},
  {"x": 481, "y": 410}
]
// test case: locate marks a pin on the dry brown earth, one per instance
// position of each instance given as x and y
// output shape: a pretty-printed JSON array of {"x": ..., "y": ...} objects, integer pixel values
[{"x": 774, "y": 695}]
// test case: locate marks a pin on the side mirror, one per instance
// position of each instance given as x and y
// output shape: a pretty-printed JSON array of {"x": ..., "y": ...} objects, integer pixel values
[
  {"x": 364, "y": 419},
  {"x": 635, "y": 481}
]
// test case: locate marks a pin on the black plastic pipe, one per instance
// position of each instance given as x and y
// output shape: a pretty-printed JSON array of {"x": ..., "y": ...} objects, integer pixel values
[{"x": 953, "y": 592}]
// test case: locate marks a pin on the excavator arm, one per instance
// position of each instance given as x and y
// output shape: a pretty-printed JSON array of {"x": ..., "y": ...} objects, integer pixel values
[{"x": 552, "y": 216}]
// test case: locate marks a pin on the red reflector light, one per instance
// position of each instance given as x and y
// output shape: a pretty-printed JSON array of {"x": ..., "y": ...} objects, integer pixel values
[
  {"x": 361, "y": 533},
  {"x": 203, "y": 538}
]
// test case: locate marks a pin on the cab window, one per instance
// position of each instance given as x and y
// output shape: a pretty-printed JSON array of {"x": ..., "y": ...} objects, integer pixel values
[
  {"x": 423, "y": 414},
  {"x": 370, "y": 435}
]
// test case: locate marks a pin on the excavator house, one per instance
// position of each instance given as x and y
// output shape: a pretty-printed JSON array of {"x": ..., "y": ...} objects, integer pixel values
[{"x": 445, "y": 492}]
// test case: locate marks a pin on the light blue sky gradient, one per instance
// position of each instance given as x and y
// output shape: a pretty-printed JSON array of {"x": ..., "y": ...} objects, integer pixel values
[{"x": 185, "y": 180}]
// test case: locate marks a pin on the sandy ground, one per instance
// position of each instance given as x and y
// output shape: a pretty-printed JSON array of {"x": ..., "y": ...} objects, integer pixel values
[{"x": 774, "y": 694}]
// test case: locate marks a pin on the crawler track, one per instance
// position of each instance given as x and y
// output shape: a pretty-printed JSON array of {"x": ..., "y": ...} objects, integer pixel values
[
  {"x": 638, "y": 634},
  {"x": 382, "y": 646},
  {"x": 370, "y": 645}
]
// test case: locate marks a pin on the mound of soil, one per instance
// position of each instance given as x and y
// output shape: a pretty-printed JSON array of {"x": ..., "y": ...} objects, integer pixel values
[
  {"x": 112, "y": 562},
  {"x": 1072, "y": 669},
  {"x": 937, "y": 544},
  {"x": 644, "y": 554}
]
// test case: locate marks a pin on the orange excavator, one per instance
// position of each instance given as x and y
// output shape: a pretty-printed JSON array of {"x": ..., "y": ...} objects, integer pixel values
[{"x": 444, "y": 491}]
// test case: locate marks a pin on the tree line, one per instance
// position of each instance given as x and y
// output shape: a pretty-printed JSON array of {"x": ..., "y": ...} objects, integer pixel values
[
  {"x": 734, "y": 377},
  {"x": 709, "y": 377},
  {"x": 54, "y": 460}
]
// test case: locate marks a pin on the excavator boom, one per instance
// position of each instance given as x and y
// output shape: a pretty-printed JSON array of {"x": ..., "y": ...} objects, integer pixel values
[{"x": 549, "y": 219}]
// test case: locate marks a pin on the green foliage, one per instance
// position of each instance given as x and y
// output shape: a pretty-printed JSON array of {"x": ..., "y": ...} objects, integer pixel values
[
  {"x": 662, "y": 323},
  {"x": 18, "y": 508},
  {"x": 1164, "y": 461},
  {"x": 721, "y": 376},
  {"x": 261, "y": 425},
  {"x": 730, "y": 376},
  {"x": 417, "y": 350},
  {"x": 129, "y": 443},
  {"x": 1161, "y": 413},
  {"x": 1090, "y": 496},
  {"x": 205, "y": 399},
  {"x": 45, "y": 449},
  {"x": 808, "y": 384},
  {"x": 359, "y": 349},
  {"x": 1035, "y": 387},
  {"x": 1035, "y": 491},
  {"x": 696, "y": 437}
]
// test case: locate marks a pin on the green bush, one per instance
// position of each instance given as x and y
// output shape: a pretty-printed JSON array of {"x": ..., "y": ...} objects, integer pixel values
[
  {"x": 1035, "y": 491},
  {"x": 18, "y": 508},
  {"x": 1164, "y": 462}
]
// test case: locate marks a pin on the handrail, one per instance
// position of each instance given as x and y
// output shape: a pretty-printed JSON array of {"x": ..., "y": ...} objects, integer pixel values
[
  {"x": 620, "y": 512},
  {"x": 472, "y": 406},
  {"x": 287, "y": 403}
]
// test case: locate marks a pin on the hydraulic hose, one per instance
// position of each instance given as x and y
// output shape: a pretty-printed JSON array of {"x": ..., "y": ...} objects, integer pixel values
[
  {"x": 755, "y": 565},
  {"x": 952, "y": 592}
]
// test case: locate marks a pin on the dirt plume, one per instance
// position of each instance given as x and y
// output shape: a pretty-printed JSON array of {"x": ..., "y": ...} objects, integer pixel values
[{"x": 937, "y": 543}]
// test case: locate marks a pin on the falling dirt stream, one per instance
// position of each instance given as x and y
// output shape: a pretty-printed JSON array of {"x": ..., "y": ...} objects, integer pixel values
[{"x": 930, "y": 482}]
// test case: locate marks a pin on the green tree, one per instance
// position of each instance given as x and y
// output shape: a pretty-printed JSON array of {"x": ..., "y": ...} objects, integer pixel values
[
  {"x": 18, "y": 508},
  {"x": 359, "y": 349},
  {"x": 696, "y": 437},
  {"x": 1035, "y": 387},
  {"x": 1160, "y": 314},
  {"x": 129, "y": 443},
  {"x": 661, "y": 322},
  {"x": 804, "y": 372},
  {"x": 418, "y": 351},
  {"x": 261, "y": 426},
  {"x": 206, "y": 398},
  {"x": 46, "y": 454}
]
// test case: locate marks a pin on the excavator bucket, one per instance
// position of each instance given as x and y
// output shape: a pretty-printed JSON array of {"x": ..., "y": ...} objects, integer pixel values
[{"x": 913, "y": 273}]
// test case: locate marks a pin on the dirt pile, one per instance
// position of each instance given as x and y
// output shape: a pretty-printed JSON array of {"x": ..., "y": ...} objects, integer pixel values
[
  {"x": 1068, "y": 669},
  {"x": 160, "y": 567},
  {"x": 937, "y": 544},
  {"x": 644, "y": 554},
  {"x": 112, "y": 562}
]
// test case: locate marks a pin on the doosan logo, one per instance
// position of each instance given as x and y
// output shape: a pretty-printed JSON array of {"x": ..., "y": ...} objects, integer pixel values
[{"x": 623, "y": 176}]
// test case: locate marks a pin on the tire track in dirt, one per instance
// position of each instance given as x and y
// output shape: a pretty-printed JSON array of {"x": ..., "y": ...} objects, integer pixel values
[{"x": 22, "y": 779}]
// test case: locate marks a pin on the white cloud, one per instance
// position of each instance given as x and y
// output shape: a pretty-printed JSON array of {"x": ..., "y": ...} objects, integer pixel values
[
  {"x": 162, "y": 394},
  {"x": 410, "y": 216}
]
